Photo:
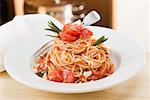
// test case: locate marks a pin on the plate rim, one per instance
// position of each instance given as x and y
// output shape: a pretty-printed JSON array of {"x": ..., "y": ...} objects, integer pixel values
[{"x": 101, "y": 88}]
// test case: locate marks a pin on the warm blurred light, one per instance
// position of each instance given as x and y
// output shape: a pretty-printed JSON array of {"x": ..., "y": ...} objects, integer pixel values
[
  {"x": 42, "y": 9},
  {"x": 68, "y": 13},
  {"x": 57, "y": 2},
  {"x": 19, "y": 7}
]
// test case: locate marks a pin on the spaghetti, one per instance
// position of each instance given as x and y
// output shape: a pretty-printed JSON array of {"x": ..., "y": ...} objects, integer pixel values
[{"x": 75, "y": 62}]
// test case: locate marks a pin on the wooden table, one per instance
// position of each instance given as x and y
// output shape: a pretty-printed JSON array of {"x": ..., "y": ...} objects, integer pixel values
[{"x": 137, "y": 88}]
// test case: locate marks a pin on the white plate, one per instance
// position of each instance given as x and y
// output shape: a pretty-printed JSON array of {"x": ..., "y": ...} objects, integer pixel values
[{"x": 126, "y": 54}]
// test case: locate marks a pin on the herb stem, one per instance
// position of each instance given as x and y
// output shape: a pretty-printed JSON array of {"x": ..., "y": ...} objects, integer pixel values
[{"x": 100, "y": 40}]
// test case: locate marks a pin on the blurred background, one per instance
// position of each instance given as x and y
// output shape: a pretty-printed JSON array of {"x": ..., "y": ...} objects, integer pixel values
[
  {"x": 64, "y": 10},
  {"x": 127, "y": 16}
]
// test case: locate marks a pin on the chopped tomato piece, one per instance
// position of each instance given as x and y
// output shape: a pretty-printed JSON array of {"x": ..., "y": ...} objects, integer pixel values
[
  {"x": 93, "y": 77},
  {"x": 75, "y": 30},
  {"x": 111, "y": 71},
  {"x": 86, "y": 33},
  {"x": 98, "y": 73},
  {"x": 67, "y": 37},
  {"x": 56, "y": 75},
  {"x": 67, "y": 26},
  {"x": 72, "y": 29},
  {"x": 68, "y": 76},
  {"x": 72, "y": 32}
]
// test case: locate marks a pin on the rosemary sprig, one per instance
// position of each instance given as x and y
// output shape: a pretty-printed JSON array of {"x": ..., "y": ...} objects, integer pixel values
[
  {"x": 53, "y": 27},
  {"x": 100, "y": 40},
  {"x": 51, "y": 35}
]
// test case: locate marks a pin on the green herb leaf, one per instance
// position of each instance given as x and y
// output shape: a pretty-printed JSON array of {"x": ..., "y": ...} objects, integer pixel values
[
  {"x": 53, "y": 27},
  {"x": 51, "y": 35},
  {"x": 40, "y": 74},
  {"x": 100, "y": 40},
  {"x": 51, "y": 30}
]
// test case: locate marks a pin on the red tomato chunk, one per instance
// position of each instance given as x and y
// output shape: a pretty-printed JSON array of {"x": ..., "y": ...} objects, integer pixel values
[
  {"x": 72, "y": 32},
  {"x": 62, "y": 76}
]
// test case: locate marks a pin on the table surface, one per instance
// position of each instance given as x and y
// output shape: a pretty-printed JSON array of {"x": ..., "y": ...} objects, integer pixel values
[{"x": 137, "y": 88}]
